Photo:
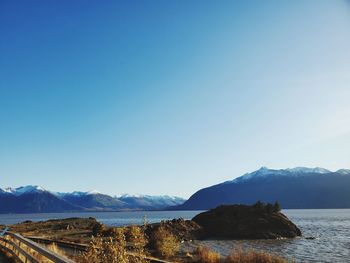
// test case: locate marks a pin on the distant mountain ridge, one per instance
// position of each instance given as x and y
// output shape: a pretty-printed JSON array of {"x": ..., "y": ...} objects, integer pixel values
[
  {"x": 36, "y": 199},
  {"x": 299, "y": 187}
]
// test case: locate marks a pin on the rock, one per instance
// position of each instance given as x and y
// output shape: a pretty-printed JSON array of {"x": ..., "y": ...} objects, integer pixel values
[
  {"x": 246, "y": 222},
  {"x": 310, "y": 238}
]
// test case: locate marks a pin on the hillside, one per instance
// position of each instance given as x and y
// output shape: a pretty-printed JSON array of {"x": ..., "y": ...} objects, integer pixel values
[
  {"x": 35, "y": 199},
  {"x": 293, "y": 188}
]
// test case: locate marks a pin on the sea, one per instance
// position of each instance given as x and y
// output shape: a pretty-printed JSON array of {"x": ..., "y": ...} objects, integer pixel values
[{"x": 326, "y": 232}]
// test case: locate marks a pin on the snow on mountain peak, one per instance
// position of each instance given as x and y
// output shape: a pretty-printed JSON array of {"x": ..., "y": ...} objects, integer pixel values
[
  {"x": 318, "y": 170},
  {"x": 149, "y": 197},
  {"x": 93, "y": 192},
  {"x": 265, "y": 172},
  {"x": 77, "y": 193},
  {"x": 24, "y": 189},
  {"x": 343, "y": 171}
]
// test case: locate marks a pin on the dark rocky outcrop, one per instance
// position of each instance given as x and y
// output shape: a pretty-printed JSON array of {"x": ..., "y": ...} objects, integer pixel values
[{"x": 246, "y": 222}]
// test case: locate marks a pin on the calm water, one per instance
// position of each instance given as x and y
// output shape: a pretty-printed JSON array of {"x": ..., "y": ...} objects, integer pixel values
[
  {"x": 331, "y": 228},
  {"x": 108, "y": 218}
]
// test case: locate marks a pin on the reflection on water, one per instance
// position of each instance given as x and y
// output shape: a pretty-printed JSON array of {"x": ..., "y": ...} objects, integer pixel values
[{"x": 330, "y": 227}]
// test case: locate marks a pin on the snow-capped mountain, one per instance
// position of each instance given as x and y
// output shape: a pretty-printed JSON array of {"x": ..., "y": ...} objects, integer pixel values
[
  {"x": 32, "y": 199},
  {"x": 298, "y": 187},
  {"x": 93, "y": 200},
  {"x": 268, "y": 173},
  {"x": 24, "y": 190},
  {"x": 305, "y": 170},
  {"x": 76, "y": 193},
  {"x": 343, "y": 171},
  {"x": 151, "y": 202}
]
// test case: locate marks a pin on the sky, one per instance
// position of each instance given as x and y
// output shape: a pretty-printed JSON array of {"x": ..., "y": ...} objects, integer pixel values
[{"x": 167, "y": 97}]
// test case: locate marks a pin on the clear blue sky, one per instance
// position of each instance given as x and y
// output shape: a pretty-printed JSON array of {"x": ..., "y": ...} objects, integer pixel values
[{"x": 166, "y": 97}]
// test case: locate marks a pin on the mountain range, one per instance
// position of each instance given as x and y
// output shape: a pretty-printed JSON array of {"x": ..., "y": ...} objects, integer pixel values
[
  {"x": 35, "y": 199},
  {"x": 293, "y": 188}
]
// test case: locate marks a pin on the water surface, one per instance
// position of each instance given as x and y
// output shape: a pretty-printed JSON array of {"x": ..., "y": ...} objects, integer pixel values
[
  {"x": 330, "y": 227},
  {"x": 108, "y": 218}
]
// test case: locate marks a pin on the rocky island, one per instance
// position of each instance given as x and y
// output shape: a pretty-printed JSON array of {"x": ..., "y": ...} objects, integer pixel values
[{"x": 259, "y": 221}]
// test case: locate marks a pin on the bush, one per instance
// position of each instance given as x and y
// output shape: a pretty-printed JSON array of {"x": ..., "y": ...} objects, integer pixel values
[
  {"x": 109, "y": 250},
  {"x": 206, "y": 255},
  {"x": 54, "y": 248},
  {"x": 97, "y": 229},
  {"x": 114, "y": 249},
  {"x": 136, "y": 236},
  {"x": 252, "y": 256},
  {"x": 165, "y": 243}
]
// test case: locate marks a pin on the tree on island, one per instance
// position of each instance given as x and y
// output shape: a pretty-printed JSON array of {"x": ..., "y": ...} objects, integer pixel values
[
  {"x": 276, "y": 207},
  {"x": 270, "y": 208}
]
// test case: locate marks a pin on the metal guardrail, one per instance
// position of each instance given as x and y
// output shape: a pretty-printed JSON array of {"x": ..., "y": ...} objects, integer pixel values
[{"x": 13, "y": 245}]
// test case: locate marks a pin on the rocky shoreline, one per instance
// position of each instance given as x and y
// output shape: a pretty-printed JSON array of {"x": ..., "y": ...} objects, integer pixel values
[{"x": 260, "y": 221}]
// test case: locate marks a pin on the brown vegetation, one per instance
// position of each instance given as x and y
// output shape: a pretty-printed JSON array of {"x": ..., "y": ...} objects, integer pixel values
[
  {"x": 182, "y": 229},
  {"x": 166, "y": 244},
  {"x": 106, "y": 250},
  {"x": 206, "y": 255},
  {"x": 78, "y": 230},
  {"x": 135, "y": 235},
  {"x": 114, "y": 249},
  {"x": 131, "y": 244},
  {"x": 54, "y": 248},
  {"x": 252, "y": 256}
]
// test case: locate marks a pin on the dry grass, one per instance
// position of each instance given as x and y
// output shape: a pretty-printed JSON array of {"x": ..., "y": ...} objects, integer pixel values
[
  {"x": 54, "y": 248},
  {"x": 77, "y": 230},
  {"x": 136, "y": 236},
  {"x": 166, "y": 244},
  {"x": 114, "y": 249},
  {"x": 252, "y": 256},
  {"x": 108, "y": 250},
  {"x": 206, "y": 255}
]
